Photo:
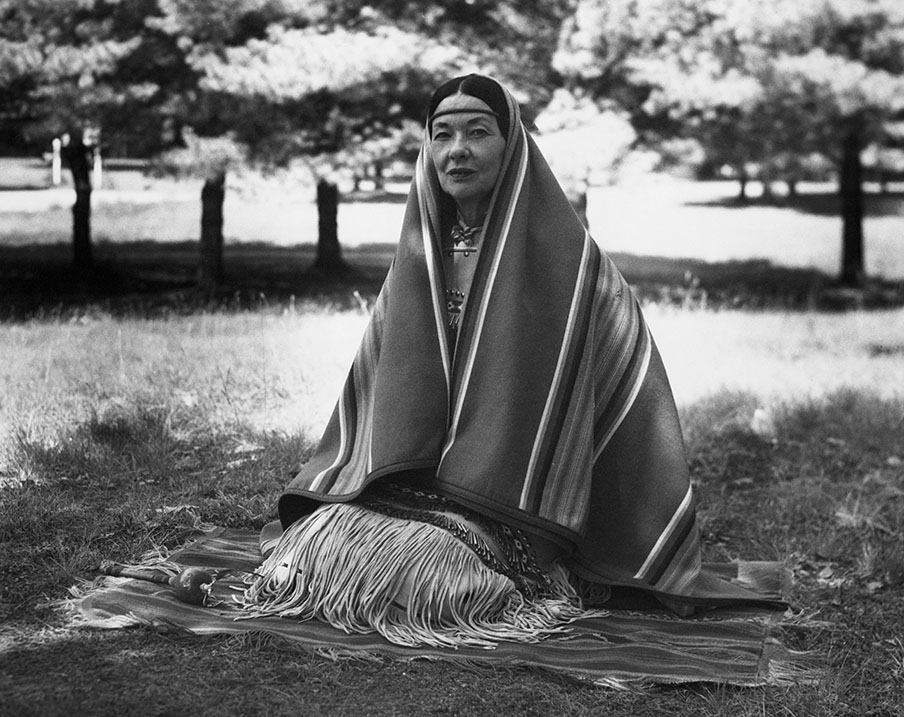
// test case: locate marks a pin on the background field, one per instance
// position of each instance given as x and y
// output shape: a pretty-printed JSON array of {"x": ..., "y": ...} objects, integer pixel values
[
  {"x": 643, "y": 215},
  {"x": 676, "y": 241}
]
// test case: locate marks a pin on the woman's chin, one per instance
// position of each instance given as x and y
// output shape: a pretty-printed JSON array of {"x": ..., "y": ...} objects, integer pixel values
[{"x": 470, "y": 204}]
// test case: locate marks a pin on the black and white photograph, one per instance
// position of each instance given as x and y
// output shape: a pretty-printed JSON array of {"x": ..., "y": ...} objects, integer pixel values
[{"x": 454, "y": 357}]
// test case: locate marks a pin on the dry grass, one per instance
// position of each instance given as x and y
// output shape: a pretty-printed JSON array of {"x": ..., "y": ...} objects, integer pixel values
[
  {"x": 120, "y": 435},
  {"x": 281, "y": 369},
  {"x": 263, "y": 370},
  {"x": 780, "y": 356}
]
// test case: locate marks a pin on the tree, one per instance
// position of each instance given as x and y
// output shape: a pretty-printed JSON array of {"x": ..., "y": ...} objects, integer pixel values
[
  {"x": 210, "y": 158},
  {"x": 314, "y": 94},
  {"x": 283, "y": 79},
  {"x": 85, "y": 71},
  {"x": 568, "y": 125},
  {"x": 754, "y": 81},
  {"x": 852, "y": 95},
  {"x": 338, "y": 83},
  {"x": 343, "y": 89},
  {"x": 78, "y": 151}
]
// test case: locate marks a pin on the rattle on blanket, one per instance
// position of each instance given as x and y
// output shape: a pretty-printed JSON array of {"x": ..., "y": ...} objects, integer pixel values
[{"x": 191, "y": 585}]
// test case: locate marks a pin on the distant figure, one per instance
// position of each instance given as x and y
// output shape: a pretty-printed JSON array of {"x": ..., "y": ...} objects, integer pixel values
[
  {"x": 56, "y": 162},
  {"x": 505, "y": 455}
]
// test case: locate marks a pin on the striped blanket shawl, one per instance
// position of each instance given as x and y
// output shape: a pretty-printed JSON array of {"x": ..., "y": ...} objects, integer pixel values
[{"x": 550, "y": 410}]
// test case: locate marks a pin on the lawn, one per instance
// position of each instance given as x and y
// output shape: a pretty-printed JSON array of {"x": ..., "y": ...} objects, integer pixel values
[
  {"x": 121, "y": 434},
  {"x": 133, "y": 411}
]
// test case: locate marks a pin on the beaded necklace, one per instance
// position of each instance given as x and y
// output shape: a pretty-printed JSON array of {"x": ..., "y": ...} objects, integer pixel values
[{"x": 464, "y": 243}]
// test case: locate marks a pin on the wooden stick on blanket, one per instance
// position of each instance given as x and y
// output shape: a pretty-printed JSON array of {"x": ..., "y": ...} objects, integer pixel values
[{"x": 191, "y": 585}]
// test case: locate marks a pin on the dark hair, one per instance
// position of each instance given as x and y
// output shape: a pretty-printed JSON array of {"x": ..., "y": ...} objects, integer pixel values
[{"x": 483, "y": 88}]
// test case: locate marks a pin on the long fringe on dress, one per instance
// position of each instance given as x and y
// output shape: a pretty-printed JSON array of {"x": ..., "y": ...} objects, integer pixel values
[{"x": 412, "y": 582}]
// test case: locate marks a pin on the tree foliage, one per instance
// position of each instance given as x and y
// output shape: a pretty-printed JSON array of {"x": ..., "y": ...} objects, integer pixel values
[
  {"x": 71, "y": 64},
  {"x": 65, "y": 71},
  {"x": 569, "y": 124},
  {"x": 767, "y": 69},
  {"x": 761, "y": 82},
  {"x": 342, "y": 85}
]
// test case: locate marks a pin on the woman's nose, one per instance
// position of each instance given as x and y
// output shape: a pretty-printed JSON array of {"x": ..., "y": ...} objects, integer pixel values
[{"x": 459, "y": 147}]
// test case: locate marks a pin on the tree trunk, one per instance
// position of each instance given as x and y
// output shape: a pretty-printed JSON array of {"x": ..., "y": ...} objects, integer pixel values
[
  {"x": 77, "y": 155},
  {"x": 210, "y": 269},
  {"x": 82, "y": 255},
  {"x": 378, "y": 176},
  {"x": 850, "y": 188},
  {"x": 742, "y": 187},
  {"x": 329, "y": 254}
]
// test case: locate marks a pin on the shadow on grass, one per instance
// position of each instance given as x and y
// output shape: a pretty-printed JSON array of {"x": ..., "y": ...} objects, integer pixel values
[
  {"x": 24, "y": 187},
  {"x": 152, "y": 278},
  {"x": 888, "y": 204},
  {"x": 376, "y": 197},
  {"x": 130, "y": 479},
  {"x": 821, "y": 488},
  {"x": 147, "y": 673}
]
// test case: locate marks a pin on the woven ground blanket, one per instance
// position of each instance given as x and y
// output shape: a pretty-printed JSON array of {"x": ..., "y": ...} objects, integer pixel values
[{"x": 735, "y": 645}]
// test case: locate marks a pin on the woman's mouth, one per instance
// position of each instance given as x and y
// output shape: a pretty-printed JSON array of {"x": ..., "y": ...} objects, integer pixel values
[{"x": 460, "y": 172}]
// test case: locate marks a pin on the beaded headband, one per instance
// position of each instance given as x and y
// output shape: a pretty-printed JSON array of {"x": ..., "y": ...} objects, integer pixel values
[{"x": 463, "y": 110}]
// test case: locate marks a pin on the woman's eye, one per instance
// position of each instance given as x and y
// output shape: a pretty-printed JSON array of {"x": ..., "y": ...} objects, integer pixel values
[
  {"x": 440, "y": 135},
  {"x": 479, "y": 132}
]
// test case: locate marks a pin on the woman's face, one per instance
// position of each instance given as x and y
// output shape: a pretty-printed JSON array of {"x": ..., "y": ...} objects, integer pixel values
[{"x": 467, "y": 150}]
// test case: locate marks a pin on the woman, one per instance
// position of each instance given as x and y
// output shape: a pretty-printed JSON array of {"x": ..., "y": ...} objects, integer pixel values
[{"x": 506, "y": 449}]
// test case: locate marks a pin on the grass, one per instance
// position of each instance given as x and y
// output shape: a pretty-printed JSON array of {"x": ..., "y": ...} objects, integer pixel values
[
  {"x": 133, "y": 410},
  {"x": 122, "y": 434},
  {"x": 675, "y": 240}
]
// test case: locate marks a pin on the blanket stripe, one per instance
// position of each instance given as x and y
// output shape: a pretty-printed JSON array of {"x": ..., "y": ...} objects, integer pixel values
[
  {"x": 674, "y": 534},
  {"x": 563, "y": 383},
  {"x": 434, "y": 265},
  {"x": 623, "y": 355},
  {"x": 326, "y": 479}
]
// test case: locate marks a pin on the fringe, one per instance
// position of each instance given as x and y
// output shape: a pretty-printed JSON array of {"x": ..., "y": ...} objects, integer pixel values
[
  {"x": 783, "y": 667},
  {"x": 71, "y": 608},
  {"x": 411, "y": 582}
]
